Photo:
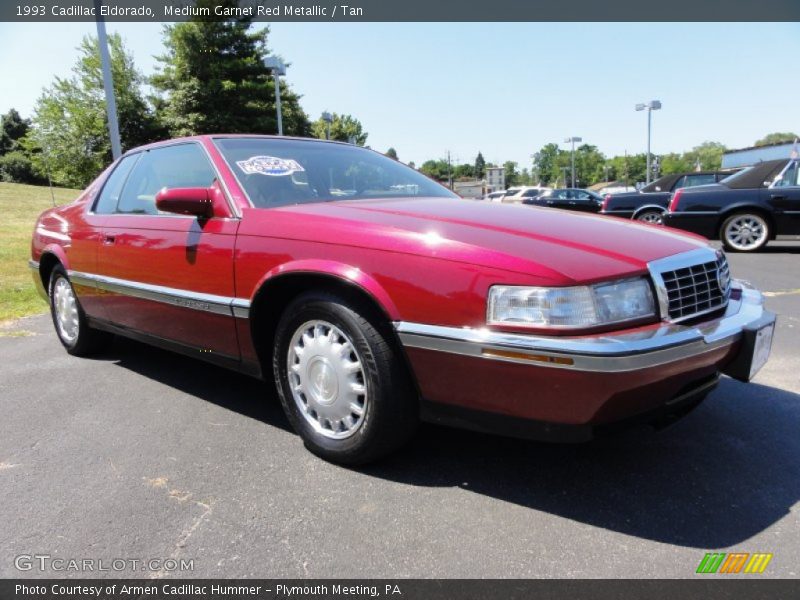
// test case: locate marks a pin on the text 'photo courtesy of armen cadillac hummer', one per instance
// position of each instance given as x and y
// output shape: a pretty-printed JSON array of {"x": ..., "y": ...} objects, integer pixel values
[{"x": 373, "y": 298}]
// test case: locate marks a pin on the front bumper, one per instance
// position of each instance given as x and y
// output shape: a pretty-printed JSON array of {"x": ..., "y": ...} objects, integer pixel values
[{"x": 578, "y": 381}]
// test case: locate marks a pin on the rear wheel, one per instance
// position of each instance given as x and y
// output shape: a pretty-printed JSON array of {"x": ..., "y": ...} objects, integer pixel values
[
  {"x": 652, "y": 216},
  {"x": 69, "y": 319},
  {"x": 341, "y": 383},
  {"x": 745, "y": 232}
]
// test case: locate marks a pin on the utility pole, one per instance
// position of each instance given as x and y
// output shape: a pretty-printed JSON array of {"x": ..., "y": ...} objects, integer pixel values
[
  {"x": 449, "y": 172},
  {"x": 572, "y": 140},
  {"x": 108, "y": 82}
]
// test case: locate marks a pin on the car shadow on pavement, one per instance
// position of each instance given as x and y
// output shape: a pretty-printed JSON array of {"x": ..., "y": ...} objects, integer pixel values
[
  {"x": 223, "y": 387},
  {"x": 724, "y": 473}
]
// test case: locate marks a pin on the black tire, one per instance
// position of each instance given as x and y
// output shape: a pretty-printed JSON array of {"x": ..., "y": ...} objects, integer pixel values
[
  {"x": 652, "y": 216},
  {"x": 88, "y": 341},
  {"x": 391, "y": 412},
  {"x": 729, "y": 241}
]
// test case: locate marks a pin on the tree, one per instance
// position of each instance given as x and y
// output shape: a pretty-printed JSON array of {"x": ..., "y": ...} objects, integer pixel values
[
  {"x": 16, "y": 167},
  {"x": 344, "y": 128},
  {"x": 511, "y": 173},
  {"x": 212, "y": 79},
  {"x": 13, "y": 129},
  {"x": 776, "y": 138},
  {"x": 464, "y": 172},
  {"x": 70, "y": 127},
  {"x": 707, "y": 154},
  {"x": 480, "y": 166},
  {"x": 436, "y": 169},
  {"x": 392, "y": 153},
  {"x": 546, "y": 163},
  {"x": 589, "y": 163}
]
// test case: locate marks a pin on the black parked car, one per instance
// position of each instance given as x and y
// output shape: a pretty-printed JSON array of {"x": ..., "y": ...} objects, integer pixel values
[
  {"x": 649, "y": 203},
  {"x": 746, "y": 210},
  {"x": 568, "y": 198}
]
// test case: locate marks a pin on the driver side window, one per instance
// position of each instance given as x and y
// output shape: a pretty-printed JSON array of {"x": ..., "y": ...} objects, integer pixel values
[
  {"x": 790, "y": 177},
  {"x": 178, "y": 166}
]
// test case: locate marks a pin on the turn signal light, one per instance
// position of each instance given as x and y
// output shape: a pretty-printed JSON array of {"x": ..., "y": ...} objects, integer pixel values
[{"x": 605, "y": 202}]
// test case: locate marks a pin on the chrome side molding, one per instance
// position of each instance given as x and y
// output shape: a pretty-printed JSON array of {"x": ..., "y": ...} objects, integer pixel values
[{"x": 221, "y": 305}]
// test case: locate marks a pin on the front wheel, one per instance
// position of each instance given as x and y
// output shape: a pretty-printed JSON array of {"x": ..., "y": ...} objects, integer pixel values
[
  {"x": 653, "y": 217},
  {"x": 745, "y": 232},
  {"x": 340, "y": 380},
  {"x": 69, "y": 319}
]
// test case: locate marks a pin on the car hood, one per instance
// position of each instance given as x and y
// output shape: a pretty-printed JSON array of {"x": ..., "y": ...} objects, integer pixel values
[{"x": 567, "y": 247}]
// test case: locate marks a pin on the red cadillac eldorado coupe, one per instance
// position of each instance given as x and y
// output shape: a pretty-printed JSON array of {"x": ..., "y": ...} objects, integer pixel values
[{"x": 375, "y": 298}]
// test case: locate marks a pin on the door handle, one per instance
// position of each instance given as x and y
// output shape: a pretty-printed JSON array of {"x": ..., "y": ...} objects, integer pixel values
[
  {"x": 778, "y": 196},
  {"x": 108, "y": 240}
]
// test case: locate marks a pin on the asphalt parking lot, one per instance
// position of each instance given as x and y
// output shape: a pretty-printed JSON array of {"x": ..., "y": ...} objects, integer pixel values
[{"x": 142, "y": 454}]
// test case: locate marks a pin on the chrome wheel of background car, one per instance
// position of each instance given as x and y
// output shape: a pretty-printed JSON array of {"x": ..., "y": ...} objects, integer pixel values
[
  {"x": 746, "y": 232},
  {"x": 654, "y": 217},
  {"x": 327, "y": 379},
  {"x": 66, "y": 310}
]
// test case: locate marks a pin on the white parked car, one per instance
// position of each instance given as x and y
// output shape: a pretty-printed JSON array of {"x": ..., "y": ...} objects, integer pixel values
[{"x": 518, "y": 194}]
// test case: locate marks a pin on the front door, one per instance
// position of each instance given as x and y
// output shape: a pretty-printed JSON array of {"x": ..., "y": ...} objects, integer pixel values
[{"x": 168, "y": 275}]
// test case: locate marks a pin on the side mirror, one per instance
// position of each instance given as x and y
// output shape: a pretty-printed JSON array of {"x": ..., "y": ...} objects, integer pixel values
[{"x": 186, "y": 201}]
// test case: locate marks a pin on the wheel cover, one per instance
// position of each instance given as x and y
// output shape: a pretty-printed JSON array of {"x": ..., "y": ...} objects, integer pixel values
[
  {"x": 746, "y": 232},
  {"x": 653, "y": 217},
  {"x": 327, "y": 379},
  {"x": 65, "y": 307}
]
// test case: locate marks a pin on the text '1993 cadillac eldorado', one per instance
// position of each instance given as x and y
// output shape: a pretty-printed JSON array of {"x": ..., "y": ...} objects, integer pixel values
[{"x": 375, "y": 298}]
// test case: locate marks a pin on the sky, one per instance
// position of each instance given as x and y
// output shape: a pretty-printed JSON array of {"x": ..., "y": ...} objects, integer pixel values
[{"x": 504, "y": 89}]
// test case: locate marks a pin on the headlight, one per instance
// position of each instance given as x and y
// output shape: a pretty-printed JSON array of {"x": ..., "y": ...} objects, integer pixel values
[{"x": 571, "y": 307}]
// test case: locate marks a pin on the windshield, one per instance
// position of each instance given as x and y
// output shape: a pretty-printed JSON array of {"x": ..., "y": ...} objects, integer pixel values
[{"x": 280, "y": 172}]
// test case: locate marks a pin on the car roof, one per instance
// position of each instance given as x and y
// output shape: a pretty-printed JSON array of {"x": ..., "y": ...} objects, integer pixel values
[{"x": 213, "y": 136}]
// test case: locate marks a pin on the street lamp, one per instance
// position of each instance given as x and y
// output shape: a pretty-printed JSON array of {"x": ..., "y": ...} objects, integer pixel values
[
  {"x": 649, "y": 107},
  {"x": 275, "y": 64},
  {"x": 108, "y": 82},
  {"x": 328, "y": 118},
  {"x": 572, "y": 140}
]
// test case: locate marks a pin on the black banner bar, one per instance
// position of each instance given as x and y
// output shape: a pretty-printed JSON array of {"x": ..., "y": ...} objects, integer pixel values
[
  {"x": 707, "y": 587},
  {"x": 406, "y": 10}
]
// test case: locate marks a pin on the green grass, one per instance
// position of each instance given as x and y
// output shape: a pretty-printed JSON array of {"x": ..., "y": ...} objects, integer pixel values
[{"x": 19, "y": 207}]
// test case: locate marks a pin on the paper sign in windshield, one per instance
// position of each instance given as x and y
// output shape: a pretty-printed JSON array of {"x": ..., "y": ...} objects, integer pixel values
[{"x": 269, "y": 165}]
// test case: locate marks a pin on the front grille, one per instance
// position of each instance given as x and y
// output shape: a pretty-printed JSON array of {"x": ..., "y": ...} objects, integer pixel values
[{"x": 697, "y": 289}]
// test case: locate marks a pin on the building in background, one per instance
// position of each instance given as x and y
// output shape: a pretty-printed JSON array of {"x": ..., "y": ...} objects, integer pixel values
[
  {"x": 495, "y": 179},
  {"x": 472, "y": 188},
  {"x": 736, "y": 159}
]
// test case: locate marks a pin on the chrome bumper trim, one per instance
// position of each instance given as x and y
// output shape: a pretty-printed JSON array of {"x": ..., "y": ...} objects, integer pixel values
[
  {"x": 222, "y": 305},
  {"x": 33, "y": 264},
  {"x": 610, "y": 352}
]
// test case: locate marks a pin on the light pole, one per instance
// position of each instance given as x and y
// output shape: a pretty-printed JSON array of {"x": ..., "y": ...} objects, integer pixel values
[
  {"x": 108, "y": 82},
  {"x": 328, "y": 118},
  {"x": 43, "y": 133},
  {"x": 649, "y": 107},
  {"x": 275, "y": 64},
  {"x": 572, "y": 140}
]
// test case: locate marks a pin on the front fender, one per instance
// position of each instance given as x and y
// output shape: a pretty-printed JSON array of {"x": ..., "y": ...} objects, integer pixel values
[{"x": 339, "y": 270}]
